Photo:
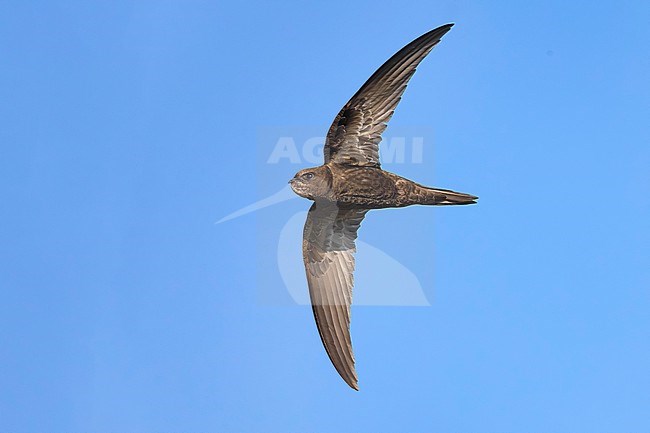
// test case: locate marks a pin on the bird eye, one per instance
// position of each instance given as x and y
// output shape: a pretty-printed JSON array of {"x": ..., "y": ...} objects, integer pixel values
[{"x": 308, "y": 175}]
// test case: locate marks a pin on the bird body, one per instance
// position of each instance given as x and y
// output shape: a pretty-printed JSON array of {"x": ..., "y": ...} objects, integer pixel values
[
  {"x": 371, "y": 188},
  {"x": 348, "y": 185}
]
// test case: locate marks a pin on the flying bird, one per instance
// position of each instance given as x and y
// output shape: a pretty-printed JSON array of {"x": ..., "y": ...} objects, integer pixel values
[{"x": 348, "y": 185}]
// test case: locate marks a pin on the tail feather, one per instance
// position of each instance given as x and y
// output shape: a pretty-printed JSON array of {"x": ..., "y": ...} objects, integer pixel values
[
  {"x": 447, "y": 197},
  {"x": 444, "y": 197}
]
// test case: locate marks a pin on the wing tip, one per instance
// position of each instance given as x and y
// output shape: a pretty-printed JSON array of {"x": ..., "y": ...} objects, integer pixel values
[
  {"x": 444, "y": 28},
  {"x": 348, "y": 373},
  {"x": 352, "y": 381}
]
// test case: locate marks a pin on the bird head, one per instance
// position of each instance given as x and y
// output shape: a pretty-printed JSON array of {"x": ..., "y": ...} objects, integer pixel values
[{"x": 312, "y": 183}]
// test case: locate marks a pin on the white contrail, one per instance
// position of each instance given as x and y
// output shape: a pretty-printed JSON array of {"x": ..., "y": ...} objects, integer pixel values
[{"x": 283, "y": 195}]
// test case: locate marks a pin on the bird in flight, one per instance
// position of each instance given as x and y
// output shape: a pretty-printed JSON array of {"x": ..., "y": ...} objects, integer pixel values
[{"x": 348, "y": 185}]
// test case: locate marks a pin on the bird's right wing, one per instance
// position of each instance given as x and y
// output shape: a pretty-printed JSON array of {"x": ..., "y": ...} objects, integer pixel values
[
  {"x": 354, "y": 137},
  {"x": 328, "y": 252}
]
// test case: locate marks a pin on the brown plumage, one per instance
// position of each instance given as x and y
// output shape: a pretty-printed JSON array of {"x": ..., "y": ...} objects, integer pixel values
[{"x": 348, "y": 185}]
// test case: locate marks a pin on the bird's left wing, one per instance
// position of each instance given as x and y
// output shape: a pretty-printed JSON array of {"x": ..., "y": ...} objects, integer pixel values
[
  {"x": 328, "y": 252},
  {"x": 353, "y": 138}
]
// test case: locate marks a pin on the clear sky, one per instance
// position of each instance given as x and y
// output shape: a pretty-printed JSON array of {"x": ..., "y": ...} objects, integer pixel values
[{"x": 127, "y": 129}]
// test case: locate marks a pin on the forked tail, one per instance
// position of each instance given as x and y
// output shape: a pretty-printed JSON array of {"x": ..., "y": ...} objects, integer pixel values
[{"x": 441, "y": 197}]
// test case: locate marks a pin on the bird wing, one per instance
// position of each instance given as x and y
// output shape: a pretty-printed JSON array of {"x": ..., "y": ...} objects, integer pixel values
[
  {"x": 354, "y": 137},
  {"x": 328, "y": 253}
]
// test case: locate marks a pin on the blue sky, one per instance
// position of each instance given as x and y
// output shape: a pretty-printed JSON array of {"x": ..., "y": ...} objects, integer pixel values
[{"x": 129, "y": 128}]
